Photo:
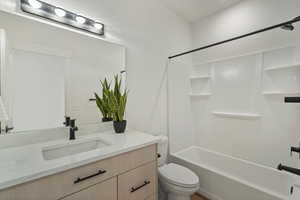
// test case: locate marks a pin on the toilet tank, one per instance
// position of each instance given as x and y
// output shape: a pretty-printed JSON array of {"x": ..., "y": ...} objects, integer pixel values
[{"x": 162, "y": 150}]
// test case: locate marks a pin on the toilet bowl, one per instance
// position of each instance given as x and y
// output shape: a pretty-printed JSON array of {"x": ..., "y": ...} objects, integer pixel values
[{"x": 177, "y": 182}]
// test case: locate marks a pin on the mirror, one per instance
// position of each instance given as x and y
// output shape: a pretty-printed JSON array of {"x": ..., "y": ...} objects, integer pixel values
[{"x": 51, "y": 72}]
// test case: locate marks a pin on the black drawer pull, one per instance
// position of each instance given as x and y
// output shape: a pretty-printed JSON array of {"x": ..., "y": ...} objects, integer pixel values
[
  {"x": 133, "y": 189},
  {"x": 78, "y": 180}
]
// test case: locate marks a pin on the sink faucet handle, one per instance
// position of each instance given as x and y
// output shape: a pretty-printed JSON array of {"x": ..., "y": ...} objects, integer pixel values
[{"x": 67, "y": 121}]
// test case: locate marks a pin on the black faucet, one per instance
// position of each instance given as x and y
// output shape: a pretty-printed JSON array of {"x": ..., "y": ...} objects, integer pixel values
[
  {"x": 289, "y": 169},
  {"x": 73, "y": 128}
]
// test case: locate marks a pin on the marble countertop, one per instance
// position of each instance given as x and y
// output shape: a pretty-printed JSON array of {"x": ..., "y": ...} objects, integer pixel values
[{"x": 26, "y": 163}]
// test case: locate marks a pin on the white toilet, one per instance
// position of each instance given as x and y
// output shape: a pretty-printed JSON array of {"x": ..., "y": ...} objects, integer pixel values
[{"x": 178, "y": 182}]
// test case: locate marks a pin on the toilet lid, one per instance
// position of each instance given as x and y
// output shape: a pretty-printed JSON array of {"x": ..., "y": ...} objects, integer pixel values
[{"x": 178, "y": 175}]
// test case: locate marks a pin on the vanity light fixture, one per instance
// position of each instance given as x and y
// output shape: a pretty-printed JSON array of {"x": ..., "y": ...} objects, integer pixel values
[
  {"x": 98, "y": 26},
  {"x": 60, "y": 15},
  {"x": 60, "y": 12},
  {"x": 35, "y": 4},
  {"x": 80, "y": 20}
]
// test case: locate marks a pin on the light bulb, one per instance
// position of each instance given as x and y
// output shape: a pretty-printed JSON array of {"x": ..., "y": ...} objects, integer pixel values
[
  {"x": 60, "y": 12},
  {"x": 80, "y": 19},
  {"x": 98, "y": 26},
  {"x": 35, "y": 4}
]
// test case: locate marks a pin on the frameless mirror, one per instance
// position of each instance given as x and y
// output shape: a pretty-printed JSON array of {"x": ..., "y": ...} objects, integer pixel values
[{"x": 51, "y": 72}]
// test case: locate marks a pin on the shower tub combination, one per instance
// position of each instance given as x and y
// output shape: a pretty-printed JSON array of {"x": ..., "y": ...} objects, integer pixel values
[{"x": 223, "y": 177}]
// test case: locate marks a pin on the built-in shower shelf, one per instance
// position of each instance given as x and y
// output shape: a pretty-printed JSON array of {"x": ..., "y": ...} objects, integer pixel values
[
  {"x": 200, "y": 95},
  {"x": 200, "y": 77},
  {"x": 282, "y": 67},
  {"x": 236, "y": 115},
  {"x": 281, "y": 93}
]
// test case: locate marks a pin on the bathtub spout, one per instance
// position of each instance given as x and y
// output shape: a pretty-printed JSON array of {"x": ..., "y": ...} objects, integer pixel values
[{"x": 289, "y": 169}]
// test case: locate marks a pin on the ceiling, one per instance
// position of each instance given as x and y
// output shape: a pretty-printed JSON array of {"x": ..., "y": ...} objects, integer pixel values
[{"x": 193, "y": 10}]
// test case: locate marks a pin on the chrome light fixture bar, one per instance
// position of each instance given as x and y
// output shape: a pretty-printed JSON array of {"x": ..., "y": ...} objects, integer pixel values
[{"x": 62, "y": 16}]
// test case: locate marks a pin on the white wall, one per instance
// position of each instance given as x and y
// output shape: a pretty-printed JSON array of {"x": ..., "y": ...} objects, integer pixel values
[
  {"x": 150, "y": 32},
  {"x": 266, "y": 140}
]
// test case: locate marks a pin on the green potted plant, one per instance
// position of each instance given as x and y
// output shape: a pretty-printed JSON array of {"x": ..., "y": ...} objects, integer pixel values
[
  {"x": 117, "y": 104},
  {"x": 103, "y": 103}
]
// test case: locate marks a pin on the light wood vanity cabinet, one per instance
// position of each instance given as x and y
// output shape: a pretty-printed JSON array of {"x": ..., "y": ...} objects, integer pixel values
[{"x": 129, "y": 176}]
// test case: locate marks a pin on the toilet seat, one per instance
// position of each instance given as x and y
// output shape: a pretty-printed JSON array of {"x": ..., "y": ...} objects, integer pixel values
[{"x": 178, "y": 175}]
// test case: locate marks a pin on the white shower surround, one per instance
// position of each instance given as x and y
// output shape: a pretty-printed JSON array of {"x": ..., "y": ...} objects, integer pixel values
[
  {"x": 252, "y": 139},
  {"x": 246, "y": 98}
]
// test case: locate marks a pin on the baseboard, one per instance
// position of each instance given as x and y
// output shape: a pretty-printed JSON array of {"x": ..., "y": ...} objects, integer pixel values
[{"x": 208, "y": 195}]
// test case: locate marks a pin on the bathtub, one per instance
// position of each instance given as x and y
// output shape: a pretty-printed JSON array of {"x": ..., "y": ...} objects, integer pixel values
[{"x": 223, "y": 177}]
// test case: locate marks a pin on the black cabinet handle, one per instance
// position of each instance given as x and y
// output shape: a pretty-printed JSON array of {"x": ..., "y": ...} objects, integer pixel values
[
  {"x": 133, "y": 189},
  {"x": 78, "y": 180}
]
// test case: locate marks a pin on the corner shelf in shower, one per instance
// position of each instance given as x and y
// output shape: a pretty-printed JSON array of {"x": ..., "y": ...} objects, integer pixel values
[
  {"x": 200, "y": 77},
  {"x": 200, "y": 95},
  {"x": 282, "y": 67},
  {"x": 235, "y": 115}
]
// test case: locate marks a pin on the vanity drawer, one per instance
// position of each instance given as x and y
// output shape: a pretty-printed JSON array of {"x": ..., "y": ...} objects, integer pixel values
[
  {"x": 134, "y": 159},
  {"x": 83, "y": 177},
  {"x": 139, "y": 183},
  {"x": 106, "y": 190}
]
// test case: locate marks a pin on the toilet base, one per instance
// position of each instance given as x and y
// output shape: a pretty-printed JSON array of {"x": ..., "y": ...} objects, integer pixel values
[{"x": 174, "y": 196}]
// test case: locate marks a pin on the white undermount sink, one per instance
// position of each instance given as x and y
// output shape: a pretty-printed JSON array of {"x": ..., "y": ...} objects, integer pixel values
[{"x": 72, "y": 148}]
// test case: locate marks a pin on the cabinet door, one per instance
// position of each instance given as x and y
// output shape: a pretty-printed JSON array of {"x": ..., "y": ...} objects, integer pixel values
[
  {"x": 106, "y": 190},
  {"x": 138, "y": 184}
]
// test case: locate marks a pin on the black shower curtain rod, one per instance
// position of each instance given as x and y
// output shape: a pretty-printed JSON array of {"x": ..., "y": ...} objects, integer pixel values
[{"x": 285, "y": 25}]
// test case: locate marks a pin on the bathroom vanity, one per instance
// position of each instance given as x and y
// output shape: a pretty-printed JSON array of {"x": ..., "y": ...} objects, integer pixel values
[{"x": 124, "y": 168}]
